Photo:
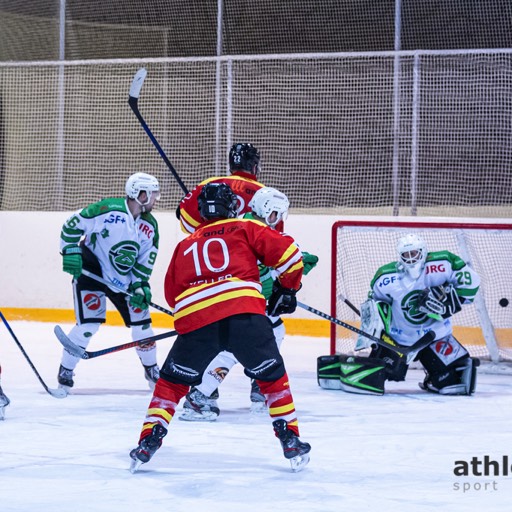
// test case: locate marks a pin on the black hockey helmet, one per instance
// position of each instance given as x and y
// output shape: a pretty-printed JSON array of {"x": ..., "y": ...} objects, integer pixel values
[
  {"x": 244, "y": 157},
  {"x": 217, "y": 200}
]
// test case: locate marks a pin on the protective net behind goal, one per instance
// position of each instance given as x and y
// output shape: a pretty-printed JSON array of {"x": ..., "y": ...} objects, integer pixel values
[
  {"x": 426, "y": 134},
  {"x": 361, "y": 247}
]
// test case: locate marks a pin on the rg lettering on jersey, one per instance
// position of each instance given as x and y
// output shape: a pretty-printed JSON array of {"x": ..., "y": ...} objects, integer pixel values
[
  {"x": 146, "y": 230},
  {"x": 432, "y": 269}
]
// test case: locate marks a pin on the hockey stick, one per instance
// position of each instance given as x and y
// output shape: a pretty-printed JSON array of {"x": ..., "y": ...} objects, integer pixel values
[
  {"x": 99, "y": 279},
  {"x": 385, "y": 341},
  {"x": 78, "y": 351},
  {"x": 57, "y": 393},
  {"x": 349, "y": 304},
  {"x": 133, "y": 99}
]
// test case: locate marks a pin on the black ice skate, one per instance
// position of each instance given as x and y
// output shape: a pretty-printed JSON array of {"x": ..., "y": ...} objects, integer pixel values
[
  {"x": 258, "y": 404},
  {"x": 147, "y": 447},
  {"x": 151, "y": 374},
  {"x": 294, "y": 449},
  {"x": 65, "y": 378},
  {"x": 199, "y": 407}
]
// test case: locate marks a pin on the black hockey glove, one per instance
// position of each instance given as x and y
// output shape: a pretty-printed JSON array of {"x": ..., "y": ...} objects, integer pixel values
[
  {"x": 452, "y": 302},
  {"x": 282, "y": 301},
  {"x": 442, "y": 301}
]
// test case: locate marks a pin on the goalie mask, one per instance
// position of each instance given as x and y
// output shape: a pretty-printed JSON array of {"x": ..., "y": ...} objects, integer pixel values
[
  {"x": 217, "y": 201},
  {"x": 268, "y": 200},
  {"x": 412, "y": 255},
  {"x": 142, "y": 182},
  {"x": 244, "y": 157}
]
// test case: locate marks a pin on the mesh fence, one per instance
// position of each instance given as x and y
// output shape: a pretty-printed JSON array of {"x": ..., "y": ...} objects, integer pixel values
[
  {"x": 96, "y": 29},
  {"x": 328, "y": 128},
  {"x": 356, "y": 126}
]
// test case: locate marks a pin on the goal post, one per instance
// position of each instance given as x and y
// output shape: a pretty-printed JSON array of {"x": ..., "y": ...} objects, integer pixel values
[{"x": 360, "y": 247}]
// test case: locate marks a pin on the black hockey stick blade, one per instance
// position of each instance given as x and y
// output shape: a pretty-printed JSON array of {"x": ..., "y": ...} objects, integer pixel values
[
  {"x": 80, "y": 352},
  {"x": 133, "y": 101},
  {"x": 56, "y": 393},
  {"x": 99, "y": 279},
  {"x": 386, "y": 340},
  {"x": 349, "y": 304}
]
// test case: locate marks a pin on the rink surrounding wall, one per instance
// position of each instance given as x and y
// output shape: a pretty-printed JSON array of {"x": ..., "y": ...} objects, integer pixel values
[{"x": 34, "y": 287}]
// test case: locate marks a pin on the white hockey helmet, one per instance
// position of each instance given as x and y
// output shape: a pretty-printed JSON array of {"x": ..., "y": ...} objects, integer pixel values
[
  {"x": 412, "y": 255},
  {"x": 142, "y": 182},
  {"x": 268, "y": 200}
]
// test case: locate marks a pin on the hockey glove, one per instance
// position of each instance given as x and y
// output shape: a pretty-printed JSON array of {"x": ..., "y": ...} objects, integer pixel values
[
  {"x": 282, "y": 301},
  {"x": 72, "y": 260},
  {"x": 452, "y": 301},
  {"x": 141, "y": 295},
  {"x": 309, "y": 261},
  {"x": 439, "y": 301}
]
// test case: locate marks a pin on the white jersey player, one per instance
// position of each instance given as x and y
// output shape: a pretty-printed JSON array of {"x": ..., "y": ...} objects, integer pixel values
[
  {"x": 116, "y": 239},
  {"x": 420, "y": 292}
]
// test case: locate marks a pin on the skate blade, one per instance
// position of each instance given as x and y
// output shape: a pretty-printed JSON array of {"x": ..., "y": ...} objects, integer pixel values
[
  {"x": 299, "y": 462},
  {"x": 258, "y": 408},
  {"x": 195, "y": 416},
  {"x": 135, "y": 464},
  {"x": 2, "y": 413}
]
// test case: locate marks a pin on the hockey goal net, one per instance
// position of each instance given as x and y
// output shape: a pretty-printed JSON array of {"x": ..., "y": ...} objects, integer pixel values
[{"x": 360, "y": 247}]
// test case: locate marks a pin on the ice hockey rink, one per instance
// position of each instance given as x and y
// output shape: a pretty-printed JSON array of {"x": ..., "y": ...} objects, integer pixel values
[{"x": 393, "y": 453}]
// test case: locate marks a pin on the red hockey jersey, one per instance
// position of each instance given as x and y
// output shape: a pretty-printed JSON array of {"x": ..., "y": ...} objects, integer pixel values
[
  {"x": 214, "y": 272},
  {"x": 241, "y": 183}
]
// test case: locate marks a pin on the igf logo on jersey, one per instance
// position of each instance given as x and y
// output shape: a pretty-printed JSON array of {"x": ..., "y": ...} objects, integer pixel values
[{"x": 123, "y": 256}]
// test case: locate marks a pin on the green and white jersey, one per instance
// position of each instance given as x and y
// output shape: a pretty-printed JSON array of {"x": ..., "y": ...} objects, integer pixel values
[
  {"x": 406, "y": 324},
  {"x": 125, "y": 247}
]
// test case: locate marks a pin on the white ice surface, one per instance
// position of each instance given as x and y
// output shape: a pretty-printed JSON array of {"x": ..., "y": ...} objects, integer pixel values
[{"x": 391, "y": 453}]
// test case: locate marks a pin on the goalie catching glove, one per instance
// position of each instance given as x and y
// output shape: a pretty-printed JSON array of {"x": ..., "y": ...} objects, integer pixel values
[
  {"x": 72, "y": 260},
  {"x": 282, "y": 301},
  {"x": 441, "y": 301},
  {"x": 141, "y": 295}
]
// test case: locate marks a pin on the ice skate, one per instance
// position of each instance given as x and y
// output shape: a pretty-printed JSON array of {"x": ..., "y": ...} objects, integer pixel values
[
  {"x": 147, "y": 448},
  {"x": 198, "y": 407},
  {"x": 152, "y": 374},
  {"x": 65, "y": 379},
  {"x": 258, "y": 403},
  {"x": 4, "y": 402},
  {"x": 294, "y": 449}
]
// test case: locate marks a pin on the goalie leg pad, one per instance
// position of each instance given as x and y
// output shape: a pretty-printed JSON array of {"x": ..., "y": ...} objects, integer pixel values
[
  {"x": 445, "y": 375},
  {"x": 362, "y": 375},
  {"x": 396, "y": 364},
  {"x": 328, "y": 372}
]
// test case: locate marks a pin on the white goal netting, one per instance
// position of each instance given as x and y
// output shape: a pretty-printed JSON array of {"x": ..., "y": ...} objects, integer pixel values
[{"x": 484, "y": 327}]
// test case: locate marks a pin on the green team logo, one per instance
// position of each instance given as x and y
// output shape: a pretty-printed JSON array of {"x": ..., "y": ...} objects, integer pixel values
[
  {"x": 410, "y": 308},
  {"x": 123, "y": 256}
]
